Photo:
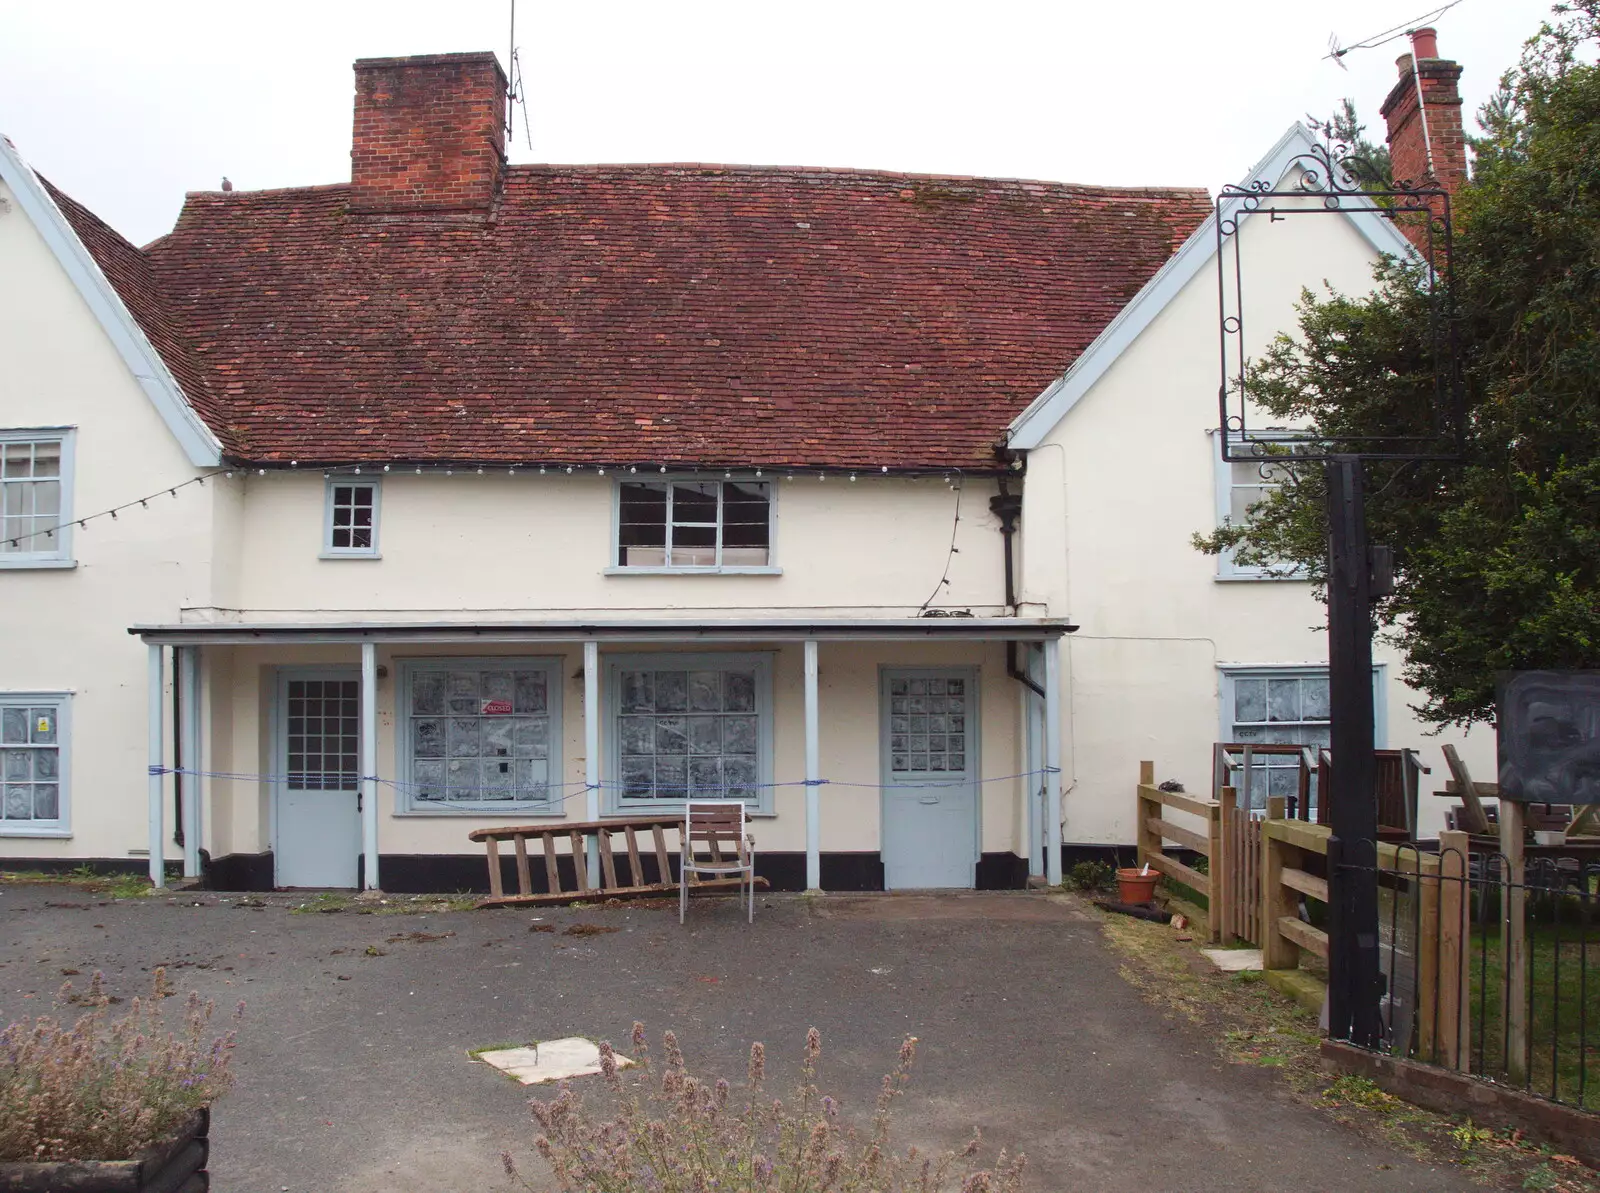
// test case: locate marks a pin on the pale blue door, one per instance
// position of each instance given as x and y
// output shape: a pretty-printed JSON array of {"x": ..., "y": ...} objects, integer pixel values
[
  {"x": 318, "y": 832},
  {"x": 930, "y": 771}
]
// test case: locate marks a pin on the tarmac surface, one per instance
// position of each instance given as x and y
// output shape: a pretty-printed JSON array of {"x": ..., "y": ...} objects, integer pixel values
[{"x": 353, "y": 1073}]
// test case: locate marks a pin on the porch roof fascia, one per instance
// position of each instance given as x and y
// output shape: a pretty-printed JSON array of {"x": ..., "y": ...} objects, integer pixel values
[{"x": 987, "y": 629}]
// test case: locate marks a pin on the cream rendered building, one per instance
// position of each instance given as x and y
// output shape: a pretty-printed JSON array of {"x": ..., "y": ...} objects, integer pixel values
[{"x": 469, "y": 494}]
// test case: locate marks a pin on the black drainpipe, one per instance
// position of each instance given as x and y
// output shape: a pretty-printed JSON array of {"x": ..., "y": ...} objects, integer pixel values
[{"x": 1007, "y": 506}]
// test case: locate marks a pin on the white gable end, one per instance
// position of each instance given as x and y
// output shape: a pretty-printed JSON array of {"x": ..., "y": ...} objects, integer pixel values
[
  {"x": 1033, "y": 426},
  {"x": 143, "y": 361}
]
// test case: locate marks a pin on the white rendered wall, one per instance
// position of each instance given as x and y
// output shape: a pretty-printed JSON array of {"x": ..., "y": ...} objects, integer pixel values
[
  {"x": 66, "y": 629},
  {"x": 1112, "y": 500}
]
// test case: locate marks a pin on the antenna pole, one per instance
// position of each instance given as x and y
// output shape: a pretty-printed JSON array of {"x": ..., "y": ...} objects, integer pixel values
[{"x": 511, "y": 90}]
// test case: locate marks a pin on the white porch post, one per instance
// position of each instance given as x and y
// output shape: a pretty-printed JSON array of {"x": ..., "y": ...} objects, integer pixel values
[
  {"x": 158, "y": 820},
  {"x": 369, "y": 765},
  {"x": 591, "y": 747},
  {"x": 1052, "y": 760},
  {"x": 189, "y": 747},
  {"x": 813, "y": 774}
]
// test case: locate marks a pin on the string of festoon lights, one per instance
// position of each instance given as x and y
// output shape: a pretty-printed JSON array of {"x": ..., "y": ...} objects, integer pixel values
[{"x": 951, "y": 477}]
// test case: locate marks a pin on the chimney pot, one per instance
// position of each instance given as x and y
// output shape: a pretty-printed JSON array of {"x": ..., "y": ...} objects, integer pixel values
[
  {"x": 1425, "y": 44},
  {"x": 1403, "y": 65}
]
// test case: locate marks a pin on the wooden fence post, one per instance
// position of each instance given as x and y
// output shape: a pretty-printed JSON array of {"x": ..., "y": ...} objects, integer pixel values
[
  {"x": 1219, "y": 870},
  {"x": 1277, "y": 900},
  {"x": 1148, "y": 843},
  {"x": 1227, "y": 866},
  {"x": 1430, "y": 965},
  {"x": 1455, "y": 953},
  {"x": 1514, "y": 941}
]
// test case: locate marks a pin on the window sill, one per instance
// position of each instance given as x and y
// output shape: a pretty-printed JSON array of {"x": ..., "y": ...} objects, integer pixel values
[
  {"x": 1249, "y": 578},
  {"x": 350, "y": 555},
  {"x": 767, "y": 570},
  {"x": 25, "y": 565},
  {"x": 525, "y": 812},
  {"x": 674, "y": 808},
  {"x": 52, "y": 834}
]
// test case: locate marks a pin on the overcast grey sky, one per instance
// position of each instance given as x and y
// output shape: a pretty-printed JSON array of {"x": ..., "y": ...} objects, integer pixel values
[{"x": 128, "y": 105}]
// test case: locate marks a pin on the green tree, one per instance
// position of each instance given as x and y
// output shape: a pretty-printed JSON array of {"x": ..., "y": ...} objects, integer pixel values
[
  {"x": 1367, "y": 159},
  {"x": 1498, "y": 556}
]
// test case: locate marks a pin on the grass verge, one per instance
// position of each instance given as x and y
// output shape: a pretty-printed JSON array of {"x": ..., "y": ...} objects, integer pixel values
[{"x": 1253, "y": 1024}]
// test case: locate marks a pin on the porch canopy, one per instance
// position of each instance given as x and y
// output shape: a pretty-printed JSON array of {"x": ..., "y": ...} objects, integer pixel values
[{"x": 188, "y": 637}]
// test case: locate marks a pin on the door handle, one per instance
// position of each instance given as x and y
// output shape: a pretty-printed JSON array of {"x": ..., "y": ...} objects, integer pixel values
[{"x": 928, "y": 799}]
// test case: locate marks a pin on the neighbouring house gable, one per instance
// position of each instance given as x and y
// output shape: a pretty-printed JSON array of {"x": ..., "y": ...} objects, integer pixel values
[
  {"x": 115, "y": 282},
  {"x": 1034, "y": 426}
]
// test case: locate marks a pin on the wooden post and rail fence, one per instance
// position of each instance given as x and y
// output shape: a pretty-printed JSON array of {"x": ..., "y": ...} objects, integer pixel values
[
  {"x": 1442, "y": 944},
  {"x": 1227, "y": 838}
]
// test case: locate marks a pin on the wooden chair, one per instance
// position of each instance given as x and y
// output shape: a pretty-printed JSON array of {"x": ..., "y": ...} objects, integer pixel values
[{"x": 715, "y": 843}]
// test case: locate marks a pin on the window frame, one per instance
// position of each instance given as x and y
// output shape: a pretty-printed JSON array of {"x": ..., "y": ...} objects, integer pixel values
[
  {"x": 333, "y": 482},
  {"x": 1230, "y": 673},
  {"x": 617, "y": 568},
  {"x": 763, "y": 663},
  {"x": 553, "y": 806},
  {"x": 61, "y": 826},
  {"x": 1227, "y": 569},
  {"x": 61, "y": 555}
]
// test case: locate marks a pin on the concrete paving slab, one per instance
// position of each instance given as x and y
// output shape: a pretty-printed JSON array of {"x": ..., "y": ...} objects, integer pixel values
[
  {"x": 1234, "y": 960},
  {"x": 549, "y": 1060}
]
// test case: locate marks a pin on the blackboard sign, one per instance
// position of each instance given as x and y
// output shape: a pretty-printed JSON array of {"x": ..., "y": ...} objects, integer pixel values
[{"x": 1549, "y": 737}]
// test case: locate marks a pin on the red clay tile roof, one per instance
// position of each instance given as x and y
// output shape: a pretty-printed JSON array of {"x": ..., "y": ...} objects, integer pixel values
[
  {"x": 130, "y": 274},
  {"x": 657, "y": 314}
]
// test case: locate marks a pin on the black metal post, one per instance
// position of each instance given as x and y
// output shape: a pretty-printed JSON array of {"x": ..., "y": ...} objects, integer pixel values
[{"x": 1354, "y": 985}]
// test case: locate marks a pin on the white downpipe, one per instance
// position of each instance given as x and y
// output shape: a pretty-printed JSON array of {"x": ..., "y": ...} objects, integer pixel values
[
  {"x": 813, "y": 773},
  {"x": 189, "y": 737},
  {"x": 369, "y": 765},
  {"x": 1052, "y": 760},
  {"x": 591, "y": 747},
  {"x": 158, "y": 820}
]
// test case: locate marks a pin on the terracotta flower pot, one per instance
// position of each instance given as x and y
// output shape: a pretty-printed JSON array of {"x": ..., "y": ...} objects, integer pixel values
[{"x": 1134, "y": 887}]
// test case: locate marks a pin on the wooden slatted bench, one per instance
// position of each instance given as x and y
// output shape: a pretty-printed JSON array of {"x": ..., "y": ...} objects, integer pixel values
[{"x": 606, "y": 884}]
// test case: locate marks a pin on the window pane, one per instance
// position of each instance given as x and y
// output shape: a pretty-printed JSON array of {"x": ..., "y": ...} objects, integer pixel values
[
  {"x": 1283, "y": 699},
  {"x": 694, "y": 501},
  {"x": 1243, "y": 497},
  {"x": 18, "y": 460},
  {"x": 1314, "y": 699},
  {"x": 1250, "y": 700},
  {"x": 643, "y": 520},
  {"x": 14, "y": 725}
]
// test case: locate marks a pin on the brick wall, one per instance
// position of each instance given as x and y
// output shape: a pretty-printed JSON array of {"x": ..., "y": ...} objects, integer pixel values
[
  {"x": 429, "y": 132},
  {"x": 1408, "y": 148}
]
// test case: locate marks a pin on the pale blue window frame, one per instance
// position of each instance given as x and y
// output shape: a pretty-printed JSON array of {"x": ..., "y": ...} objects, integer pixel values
[
  {"x": 21, "y": 714},
  {"x": 1292, "y": 725},
  {"x": 332, "y": 521},
  {"x": 759, "y": 663},
  {"x": 53, "y": 547},
  {"x": 1232, "y": 477},
  {"x": 408, "y": 803},
  {"x": 618, "y": 567}
]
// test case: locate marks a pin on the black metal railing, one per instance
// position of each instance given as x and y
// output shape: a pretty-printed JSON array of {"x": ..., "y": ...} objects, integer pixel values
[{"x": 1493, "y": 970}]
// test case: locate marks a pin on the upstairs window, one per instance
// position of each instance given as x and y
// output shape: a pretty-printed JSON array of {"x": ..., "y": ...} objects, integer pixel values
[
  {"x": 1241, "y": 485},
  {"x": 350, "y": 528},
  {"x": 694, "y": 525},
  {"x": 35, "y": 498}
]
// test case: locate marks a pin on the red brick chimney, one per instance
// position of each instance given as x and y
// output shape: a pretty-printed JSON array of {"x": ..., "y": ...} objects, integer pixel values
[
  {"x": 429, "y": 133},
  {"x": 1426, "y": 144}
]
